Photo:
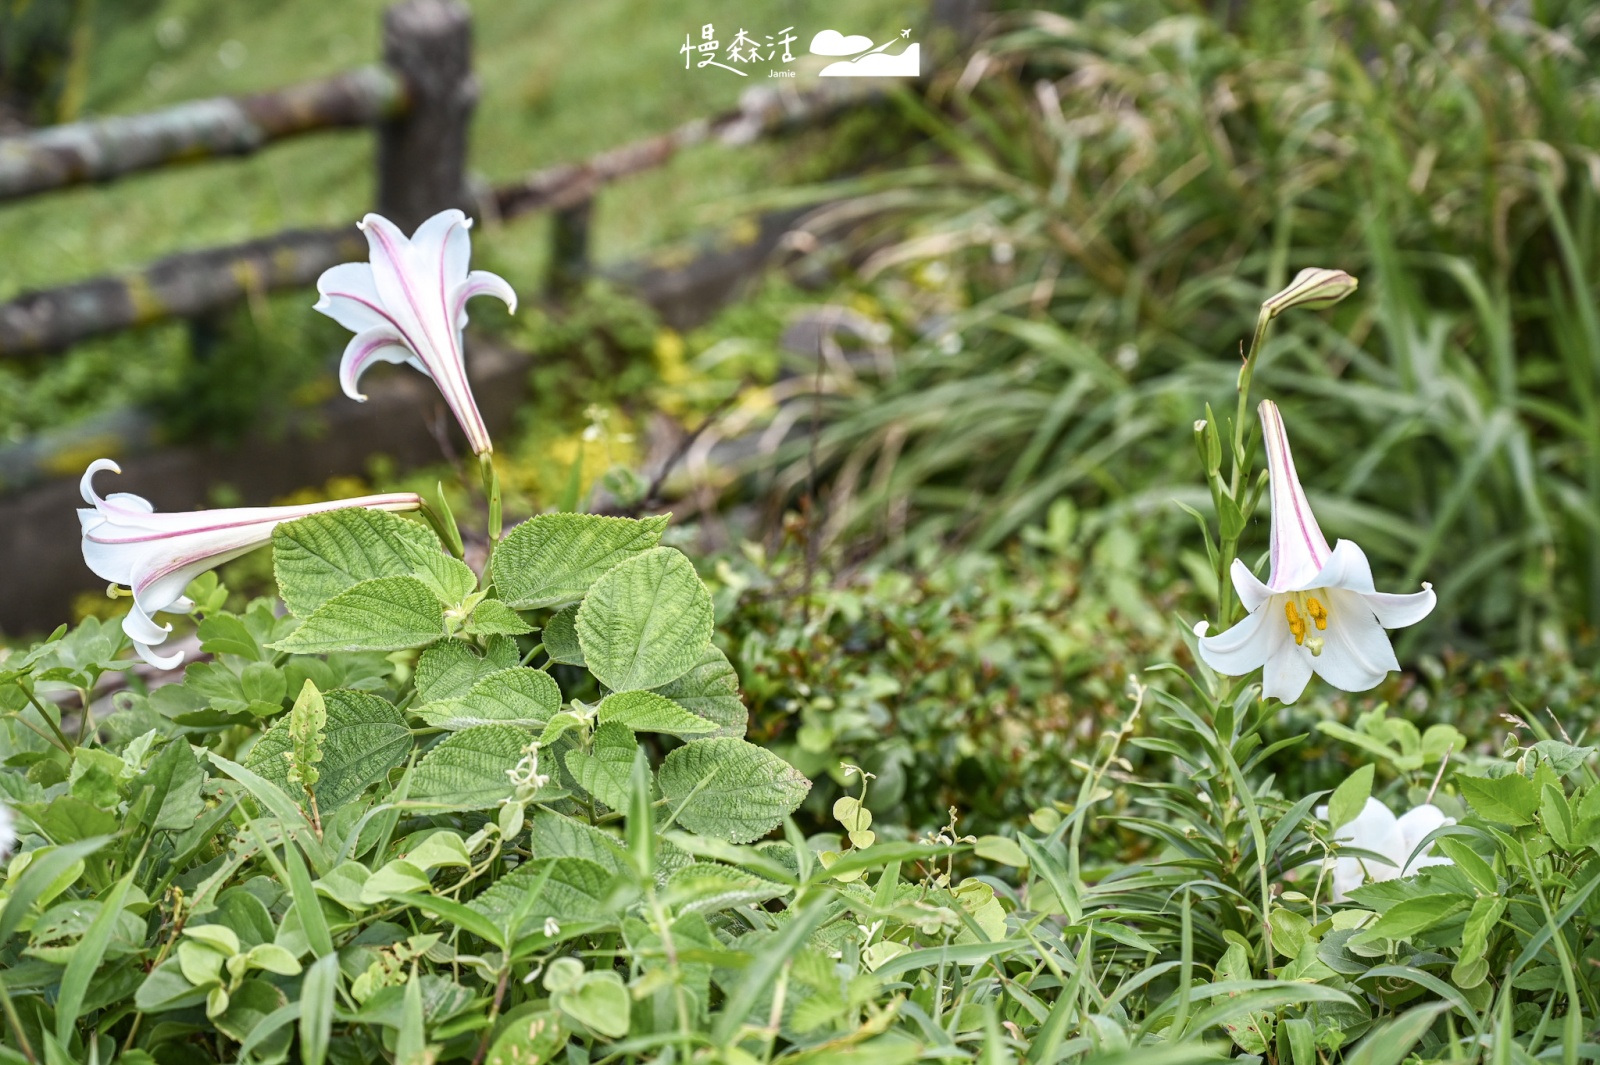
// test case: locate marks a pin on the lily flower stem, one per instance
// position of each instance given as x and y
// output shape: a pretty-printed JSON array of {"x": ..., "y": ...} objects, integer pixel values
[{"x": 491, "y": 491}]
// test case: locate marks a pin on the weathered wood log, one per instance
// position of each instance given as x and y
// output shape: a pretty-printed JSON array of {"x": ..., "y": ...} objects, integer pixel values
[
  {"x": 180, "y": 286},
  {"x": 194, "y": 283},
  {"x": 422, "y": 153},
  {"x": 106, "y": 148}
]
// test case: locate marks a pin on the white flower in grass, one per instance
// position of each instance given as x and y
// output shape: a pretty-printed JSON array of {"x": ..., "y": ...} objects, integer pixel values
[
  {"x": 1378, "y": 830},
  {"x": 1318, "y": 612},
  {"x": 8, "y": 832},
  {"x": 409, "y": 304},
  {"x": 156, "y": 555}
]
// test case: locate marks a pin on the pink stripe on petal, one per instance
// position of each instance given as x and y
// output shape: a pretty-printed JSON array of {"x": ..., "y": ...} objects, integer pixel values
[{"x": 363, "y": 350}]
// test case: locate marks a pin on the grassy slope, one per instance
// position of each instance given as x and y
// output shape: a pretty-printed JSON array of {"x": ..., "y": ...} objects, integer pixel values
[{"x": 559, "y": 82}]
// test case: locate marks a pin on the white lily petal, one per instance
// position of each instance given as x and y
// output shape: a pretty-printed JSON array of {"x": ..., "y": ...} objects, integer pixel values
[
  {"x": 444, "y": 244},
  {"x": 1288, "y": 665},
  {"x": 157, "y": 555},
  {"x": 86, "y": 482},
  {"x": 172, "y": 661},
  {"x": 1240, "y": 649},
  {"x": 1356, "y": 653},
  {"x": 1396, "y": 611},
  {"x": 349, "y": 296},
  {"x": 482, "y": 283},
  {"x": 141, "y": 628},
  {"x": 381, "y": 344},
  {"x": 1414, "y": 827},
  {"x": 416, "y": 289},
  {"x": 1298, "y": 547},
  {"x": 1252, "y": 593},
  {"x": 1347, "y": 567}
]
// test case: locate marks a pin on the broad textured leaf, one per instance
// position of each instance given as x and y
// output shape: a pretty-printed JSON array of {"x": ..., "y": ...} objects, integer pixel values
[
  {"x": 561, "y": 637},
  {"x": 576, "y": 890},
  {"x": 317, "y": 557},
  {"x": 493, "y": 618},
  {"x": 175, "y": 777},
  {"x": 449, "y": 669},
  {"x": 555, "y": 836},
  {"x": 604, "y": 771},
  {"x": 648, "y": 712},
  {"x": 385, "y": 614},
  {"x": 711, "y": 689},
  {"x": 529, "y": 1038},
  {"x": 449, "y": 579},
  {"x": 365, "y": 737},
  {"x": 468, "y": 770},
  {"x": 645, "y": 623},
  {"x": 599, "y": 1001},
  {"x": 552, "y": 559},
  {"x": 525, "y": 697},
  {"x": 705, "y": 887},
  {"x": 731, "y": 789}
]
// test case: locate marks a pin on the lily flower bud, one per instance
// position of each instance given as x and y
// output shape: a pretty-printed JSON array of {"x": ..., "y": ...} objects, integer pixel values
[{"x": 1314, "y": 288}]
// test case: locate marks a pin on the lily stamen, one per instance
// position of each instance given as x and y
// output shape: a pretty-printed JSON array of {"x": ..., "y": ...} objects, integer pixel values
[
  {"x": 1318, "y": 612},
  {"x": 1297, "y": 624}
]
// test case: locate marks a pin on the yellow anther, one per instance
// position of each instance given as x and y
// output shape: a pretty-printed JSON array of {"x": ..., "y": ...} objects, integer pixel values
[
  {"x": 1318, "y": 612},
  {"x": 1297, "y": 624}
]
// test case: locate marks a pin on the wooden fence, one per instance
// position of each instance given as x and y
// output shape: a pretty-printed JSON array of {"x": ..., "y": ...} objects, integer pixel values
[{"x": 420, "y": 102}]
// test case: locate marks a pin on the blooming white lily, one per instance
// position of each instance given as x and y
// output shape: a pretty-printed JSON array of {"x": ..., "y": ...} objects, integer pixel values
[
  {"x": 1378, "y": 830},
  {"x": 1318, "y": 612},
  {"x": 409, "y": 304},
  {"x": 156, "y": 555}
]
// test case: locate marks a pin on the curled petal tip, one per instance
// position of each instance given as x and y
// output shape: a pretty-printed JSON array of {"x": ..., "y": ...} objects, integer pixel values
[
  {"x": 86, "y": 485},
  {"x": 1201, "y": 628},
  {"x": 172, "y": 661}
]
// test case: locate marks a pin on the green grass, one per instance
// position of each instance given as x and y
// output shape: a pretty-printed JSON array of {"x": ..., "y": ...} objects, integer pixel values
[{"x": 559, "y": 82}]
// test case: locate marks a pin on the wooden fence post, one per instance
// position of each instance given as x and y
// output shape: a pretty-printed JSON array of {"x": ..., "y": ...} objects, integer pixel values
[
  {"x": 422, "y": 154},
  {"x": 569, "y": 247}
]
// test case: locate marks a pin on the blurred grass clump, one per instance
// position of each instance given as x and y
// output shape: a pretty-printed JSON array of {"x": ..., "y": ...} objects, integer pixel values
[{"x": 1073, "y": 264}]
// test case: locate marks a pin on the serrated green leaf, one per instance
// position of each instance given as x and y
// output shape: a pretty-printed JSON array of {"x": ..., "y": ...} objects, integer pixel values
[
  {"x": 1510, "y": 800},
  {"x": 1471, "y": 864},
  {"x": 604, "y": 771},
  {"x": 572, "y": 889},
  {"x": 449, "y": 579},
  {"x": 450, "y": 668},
  {"x": 561, "y": 637},
  {"x": 705, "y": 887},
  {"x": 710, "y": 689},
  {"x": 731, "y": 789},
  {"x": 468, "y": 769},
  {"x": 556, "y": 836},
  {"x": 553, "y": 559},
  {"x": 1406, "y": 919},
  {"x": 493, "y": 618},
  {"x": 646, "y": 622},
  {"x": 1350, "y": 797},
  {"x": 384, "y": 614},
  {"x": 317, "y": 557},
  {"x": 644, "y": 711},
  {"x": 364, "y": 738},
  {"x": 519, "y": 696}
]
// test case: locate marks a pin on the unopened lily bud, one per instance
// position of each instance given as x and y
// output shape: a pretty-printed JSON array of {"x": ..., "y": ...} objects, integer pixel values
[
  {"x": 1312, "y": 287},
  {"x": 1212, "y": 456}
]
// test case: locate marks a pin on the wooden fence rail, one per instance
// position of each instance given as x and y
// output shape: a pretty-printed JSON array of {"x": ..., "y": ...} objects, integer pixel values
[
  {"x": 190, "y": 284},
  {"x": 107, "y": 148}
]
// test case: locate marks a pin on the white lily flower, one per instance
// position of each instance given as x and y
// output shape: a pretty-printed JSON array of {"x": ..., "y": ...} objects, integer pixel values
[
  {"x": 1378, "y": 830},
  {"x": 409, "y": 304},
  {"x": 156, "y": 555},
  {"x": 1318, "y": 612}
]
